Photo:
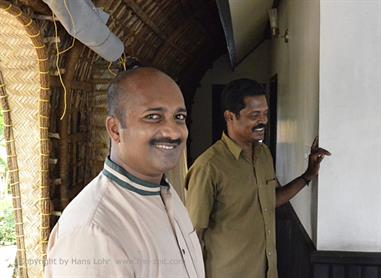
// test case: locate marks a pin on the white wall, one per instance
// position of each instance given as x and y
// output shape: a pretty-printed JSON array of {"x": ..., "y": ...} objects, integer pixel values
[
  {"x": 350, "y": 124},
  {"x": 255, "y": 66},
  {"x": 297, "y": 66}
]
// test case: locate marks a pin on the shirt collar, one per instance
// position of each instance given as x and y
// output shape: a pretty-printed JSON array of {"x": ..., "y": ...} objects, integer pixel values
[
  {"x": 124, "y": 179},
  {"x": 232, "y": 146}
]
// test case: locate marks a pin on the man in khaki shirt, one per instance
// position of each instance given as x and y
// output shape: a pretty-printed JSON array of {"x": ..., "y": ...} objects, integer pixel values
[
  {"x": 233, "y": 190},
  {"x": 129, "y": 221}
]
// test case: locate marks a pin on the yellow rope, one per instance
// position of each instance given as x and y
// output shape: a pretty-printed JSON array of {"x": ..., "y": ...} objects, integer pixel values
[
  {"x": 7, "y": 8},
  {"x": 42, "y": 59},
  {"x": 13, "y": 170},
  {"x": 44, "y": 72},
  {"x": 34, "y": 35},
  {"x": 40, "y": 46},
  {"x": 29, "y": 23},
  {"x": 20, "y": 13}
]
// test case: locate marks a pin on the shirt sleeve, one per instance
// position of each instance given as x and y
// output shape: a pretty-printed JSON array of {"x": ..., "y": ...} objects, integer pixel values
[
  {"x": 200, "y": 195},
  {"x": 85, "y": 252}
]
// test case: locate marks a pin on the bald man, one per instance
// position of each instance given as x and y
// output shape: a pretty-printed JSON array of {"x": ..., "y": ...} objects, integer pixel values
[{"x": 129, "y": 221}]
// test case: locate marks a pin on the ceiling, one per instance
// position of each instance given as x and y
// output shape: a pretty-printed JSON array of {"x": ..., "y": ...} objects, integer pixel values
[
  {"x": 245, "y": 24},
  {"x": 183, "y": 37}
]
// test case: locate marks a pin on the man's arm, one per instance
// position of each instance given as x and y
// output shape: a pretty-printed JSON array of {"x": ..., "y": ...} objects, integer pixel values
[
  {"x": 285, "y": 193},
  {"x": 200, "y": 197}
]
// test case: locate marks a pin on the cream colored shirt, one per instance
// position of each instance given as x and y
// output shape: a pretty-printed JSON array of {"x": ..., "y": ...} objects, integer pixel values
[
  {"x": 120, "y": 226},
  {"x": 233, "y": 199}
]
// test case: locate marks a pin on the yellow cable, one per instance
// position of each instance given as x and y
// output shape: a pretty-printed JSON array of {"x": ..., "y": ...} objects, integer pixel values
[
  {"x": 57, "y": 65},
  {"x": 109, "y": 69},
  {"x": 61, "y": 52},
  {"x": 123, "y": 61},
  {"x": 73, "y": 24}
]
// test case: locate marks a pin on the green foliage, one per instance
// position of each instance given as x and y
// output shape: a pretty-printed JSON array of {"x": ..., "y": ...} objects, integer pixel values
[{"x": 7, "y": 223}]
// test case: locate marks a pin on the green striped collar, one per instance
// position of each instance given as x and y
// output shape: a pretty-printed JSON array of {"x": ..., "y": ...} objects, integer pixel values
[{"x": 124, "y": 179}]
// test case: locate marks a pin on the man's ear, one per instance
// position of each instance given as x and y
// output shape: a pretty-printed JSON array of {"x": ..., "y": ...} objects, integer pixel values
[
  {"x": 228, "y": 116},
  {"x": 112, "y": 126}
]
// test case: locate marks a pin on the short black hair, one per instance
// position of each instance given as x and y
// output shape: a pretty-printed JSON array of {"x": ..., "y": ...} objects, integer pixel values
[
  {"x": 234, "y": 93},
  {"x": 116, "y": 96}
]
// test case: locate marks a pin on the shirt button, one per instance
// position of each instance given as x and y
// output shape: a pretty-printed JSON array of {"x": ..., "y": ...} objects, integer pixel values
[
  {"x": 268, "y": 231},
  {"x": 269, "y": 253},
  {"x": 265, "y": 209}
]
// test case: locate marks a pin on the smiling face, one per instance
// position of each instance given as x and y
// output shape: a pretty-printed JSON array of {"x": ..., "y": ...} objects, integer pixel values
[
  {"x": 154, "y": 132},
  {"x": 250, "y": 126}
]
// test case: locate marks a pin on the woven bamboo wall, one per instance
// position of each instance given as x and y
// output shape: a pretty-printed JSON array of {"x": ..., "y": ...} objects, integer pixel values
[{"x": 24, "y": 98}]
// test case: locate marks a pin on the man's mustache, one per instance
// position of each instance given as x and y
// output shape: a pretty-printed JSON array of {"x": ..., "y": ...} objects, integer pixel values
[
  {"x": 165, "y": 140},
  {"x": 259, "y": 126}
]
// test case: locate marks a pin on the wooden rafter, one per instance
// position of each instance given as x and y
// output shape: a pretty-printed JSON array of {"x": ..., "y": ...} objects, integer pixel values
[
  {"x": 149, "y": 22},
  {"x": 193, "y": 17}
]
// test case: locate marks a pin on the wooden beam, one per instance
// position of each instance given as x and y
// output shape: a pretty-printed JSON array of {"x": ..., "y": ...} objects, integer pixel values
[
  {"x": 187, "y": 10},
  {"x": 64, "y": 163},
  {"x": 149, "y": 22}
]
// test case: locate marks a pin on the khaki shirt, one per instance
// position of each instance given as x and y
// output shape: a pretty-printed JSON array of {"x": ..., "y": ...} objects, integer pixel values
[
  {"x": 121, "y": 226},
  {"x": 234, "y": 200}
]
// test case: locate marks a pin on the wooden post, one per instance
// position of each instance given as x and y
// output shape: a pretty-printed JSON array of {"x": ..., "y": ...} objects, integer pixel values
[{"x": 64, "y": 163}]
